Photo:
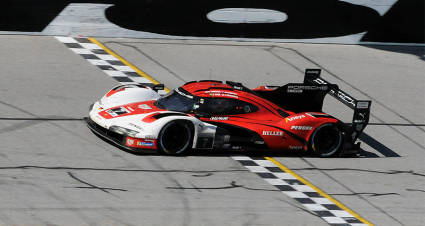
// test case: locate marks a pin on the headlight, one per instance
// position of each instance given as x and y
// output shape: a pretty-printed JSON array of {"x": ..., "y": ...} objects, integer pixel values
[{"x": 123, "y": 131}]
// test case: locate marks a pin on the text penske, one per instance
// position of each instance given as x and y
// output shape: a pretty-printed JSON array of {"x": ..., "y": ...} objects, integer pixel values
[{"x": 302, "y": 127}]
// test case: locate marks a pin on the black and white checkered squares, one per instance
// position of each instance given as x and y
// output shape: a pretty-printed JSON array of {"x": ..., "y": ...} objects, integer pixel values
[
  {"x": 294, "y": 188},
  {"x": 109, "y": 64}
]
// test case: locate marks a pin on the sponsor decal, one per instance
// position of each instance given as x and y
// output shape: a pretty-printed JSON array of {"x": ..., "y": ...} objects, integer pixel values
[
  {"x": 236, "y": 147},
  {"x": 139, "y": 143},
  {"x": 221, "y": 92},
  {"x": 131, "y": 109},
  {"x": 362, "y": 105},
  {"x": 150, "y": 137},
  {"x": 296, "y": 147},
  {"x": 295, "y": 118},
  {"x": 359, "y": 121},
  {"x": 272, "y": 133},
  {"x": 359, "y": 127},
  {"x": 223, "y": 95},
  {"x": 135, "y": 126},
  {"x": 302, "y": 127},
  {"x": 144, "y": 106},
  {"x": 112, "y": 113},
  {"x": 299, "y": 89},
  {"x": 219, "y": 118},
  {"x": 258, "y": 142},
  {"x": 362, "y": 114},
  {"x": 294, "y": 91},
  {"x": 348, "y": 100},
  {"x": 183, "y": 94}
]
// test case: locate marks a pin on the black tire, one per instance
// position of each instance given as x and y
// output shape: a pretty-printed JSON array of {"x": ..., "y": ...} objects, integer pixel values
[
  {"x": 326, "y": 140},
  {"x": 175, "y": 137}
]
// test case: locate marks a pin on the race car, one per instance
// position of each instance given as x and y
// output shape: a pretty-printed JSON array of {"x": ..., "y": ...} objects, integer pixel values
[{"x": 210, "y": 114}]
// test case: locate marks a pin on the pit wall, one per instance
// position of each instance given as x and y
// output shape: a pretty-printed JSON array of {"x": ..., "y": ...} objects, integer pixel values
[{"x": 312, "y": 21}]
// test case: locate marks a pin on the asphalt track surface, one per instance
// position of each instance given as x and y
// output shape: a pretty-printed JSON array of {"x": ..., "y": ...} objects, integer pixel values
[{"x": 54, "y": 171}]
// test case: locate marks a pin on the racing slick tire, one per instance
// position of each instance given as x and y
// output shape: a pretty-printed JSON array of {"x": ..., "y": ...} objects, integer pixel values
[
  {"x": 175, "y": 137},
  {"x": 326, "y": 140}
]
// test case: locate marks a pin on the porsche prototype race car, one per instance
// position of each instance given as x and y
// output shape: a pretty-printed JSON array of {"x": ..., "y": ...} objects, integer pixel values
[{"x": 210, "y": 114}]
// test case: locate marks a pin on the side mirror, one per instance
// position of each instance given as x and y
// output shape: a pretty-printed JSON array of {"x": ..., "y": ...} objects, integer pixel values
[{"x": 158, "y": 87}]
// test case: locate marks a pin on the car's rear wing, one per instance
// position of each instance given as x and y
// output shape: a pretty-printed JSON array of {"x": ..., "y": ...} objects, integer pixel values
[
  {"x": 308, "y": 97},
  {"x": 361, "y": 107}
]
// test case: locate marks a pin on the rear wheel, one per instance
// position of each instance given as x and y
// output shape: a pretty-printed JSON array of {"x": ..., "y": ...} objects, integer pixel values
[
  {"x": 175, "y": 137},
  {"x": 326, "y": 140}
]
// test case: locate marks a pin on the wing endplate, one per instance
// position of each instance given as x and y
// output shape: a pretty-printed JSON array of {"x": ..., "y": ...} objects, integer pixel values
[{"x": 361, "y": 107}]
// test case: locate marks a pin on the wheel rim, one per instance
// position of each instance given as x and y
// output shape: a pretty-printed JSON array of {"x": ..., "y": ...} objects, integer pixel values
[
  {"x": 175, "y": 137},
  {"x": 327, "y": 140}
]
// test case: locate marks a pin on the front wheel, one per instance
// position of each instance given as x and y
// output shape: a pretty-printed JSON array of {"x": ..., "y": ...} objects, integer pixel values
[
  {"x": 175, "y": 137},
  {"x": 326, "y": 140}
]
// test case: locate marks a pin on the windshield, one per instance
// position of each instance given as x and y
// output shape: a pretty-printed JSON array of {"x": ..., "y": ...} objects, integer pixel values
[{"x": 173, "y": 101}]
